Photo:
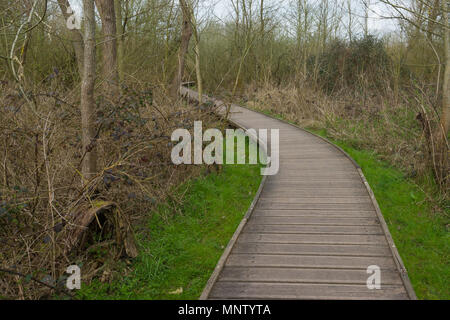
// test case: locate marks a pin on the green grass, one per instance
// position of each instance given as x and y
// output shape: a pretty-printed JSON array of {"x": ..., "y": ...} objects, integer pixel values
[{"x": 181, "y": 250}]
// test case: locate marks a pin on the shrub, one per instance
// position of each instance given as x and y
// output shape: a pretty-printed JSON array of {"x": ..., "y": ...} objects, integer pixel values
[{"x": 361, "y": 64}]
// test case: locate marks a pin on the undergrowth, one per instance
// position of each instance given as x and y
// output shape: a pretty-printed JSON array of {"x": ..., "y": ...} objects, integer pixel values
[
  {"x": 178, "y": 252},
  {"x": 42, "y": 195}
]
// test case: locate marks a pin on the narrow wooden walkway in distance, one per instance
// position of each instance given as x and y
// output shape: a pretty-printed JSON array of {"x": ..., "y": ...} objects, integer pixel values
[{"x": 313, "y": 231}]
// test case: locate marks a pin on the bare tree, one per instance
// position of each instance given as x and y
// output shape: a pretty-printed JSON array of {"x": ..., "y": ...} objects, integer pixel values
[
  {"x": 427, "y": 21},
  {"x": 366, "y": 17},
  {"x": 244, "y": 35},
  {"x": 186, "y": 34},
  {"x": 300, "y": 14},
  {"x": 24, "y": 50},
  {"x": 77, "y": 40},
  {"x": 120, "y": 38},
  {"x": 445, "y": 119},
  {"x": 197, "y": 53},
  {"x": 110, "y": 70},
  {"x": 322, "y": 19},
  {"x": 350, "y": 20},
  {"x": 88, "y": 115}
]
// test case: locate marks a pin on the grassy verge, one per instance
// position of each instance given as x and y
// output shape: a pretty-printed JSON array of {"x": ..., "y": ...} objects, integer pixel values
[
  {"x": 179, "y": 251},
  {"x": 420, "y": 233}
]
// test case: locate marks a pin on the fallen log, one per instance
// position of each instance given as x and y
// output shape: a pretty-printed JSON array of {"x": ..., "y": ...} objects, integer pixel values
[{"x": 123, "y": 232}]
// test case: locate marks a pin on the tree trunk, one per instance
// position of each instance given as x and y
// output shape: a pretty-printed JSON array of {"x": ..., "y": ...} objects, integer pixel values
[
  {"x": 350, "y": 20},
  {"x": 261, "y": 18},
  {"x": 442, "y": 172},
  {"x": 198, "y": 72},
  {"x": 120, "y": 37},
  {"x": 305, "y": 37},
  {"x": 110, "y": 72},
  {"x": 186, "y": 34},
  {"x": 24, "y": 49},
  {"x": 77, "y": 41},
  {"x": 366, "y": 18},
  {"x": 445, "y": 119},
  {"x": 433, "y": 14},
  {"x": 88, "y": 115}
]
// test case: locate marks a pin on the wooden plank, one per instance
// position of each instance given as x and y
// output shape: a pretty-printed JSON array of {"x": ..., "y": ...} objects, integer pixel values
[
  {"x": 315, "y": 200},
  {"x": 299, "y": 164},
  {"x": 364, "y": 250},
  {"x": 303, "y": 147},
  {"x": 273, "y": 290},
  {"x": 291, "y": 183},
  {"x": 315, "y": 206},
  {"x": 299, "y": 155},
  {"x": 314, "y": 167},
  {"x": 313, "y": 238},
  {"x": 302, "y": 166},
  {"x": 312, "y": 229},
  {"x": 280, "y": 192},
  {"x": 304, "y": 275},
  {"x": 313, "y": 213},
  {"x": 315, "y": 172},
  {"x": 330, "y": 160},
  {"x": 315, "y": 181},
  {"x": 311, "y": 162},
  {"x": 308, "y": 156},
  {"x": 323, "y": 221},
  {"x": 305, "y": 261},
  {"x": 307, "y": 189},
  {"x": 313, "y": 175}
]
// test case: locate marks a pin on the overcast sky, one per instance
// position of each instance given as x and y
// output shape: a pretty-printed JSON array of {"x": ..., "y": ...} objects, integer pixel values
[{"x": 377, "y": 24}]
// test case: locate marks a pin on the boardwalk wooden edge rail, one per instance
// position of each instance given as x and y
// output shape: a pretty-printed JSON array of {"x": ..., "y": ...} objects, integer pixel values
[{"x": 193, "y": 96}]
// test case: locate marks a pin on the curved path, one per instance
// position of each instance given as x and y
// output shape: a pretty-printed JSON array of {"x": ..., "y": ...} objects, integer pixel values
[{"x": 312, "y": 230}]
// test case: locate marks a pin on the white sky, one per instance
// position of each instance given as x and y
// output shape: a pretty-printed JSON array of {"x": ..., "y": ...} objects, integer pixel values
[
  {"x": 377, "y": 10},
  {"x": 377, "y": 25}
]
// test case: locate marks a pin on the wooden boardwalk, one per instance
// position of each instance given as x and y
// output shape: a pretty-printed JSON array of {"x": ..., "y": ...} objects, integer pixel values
[{"x": 312, "y": 230}]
